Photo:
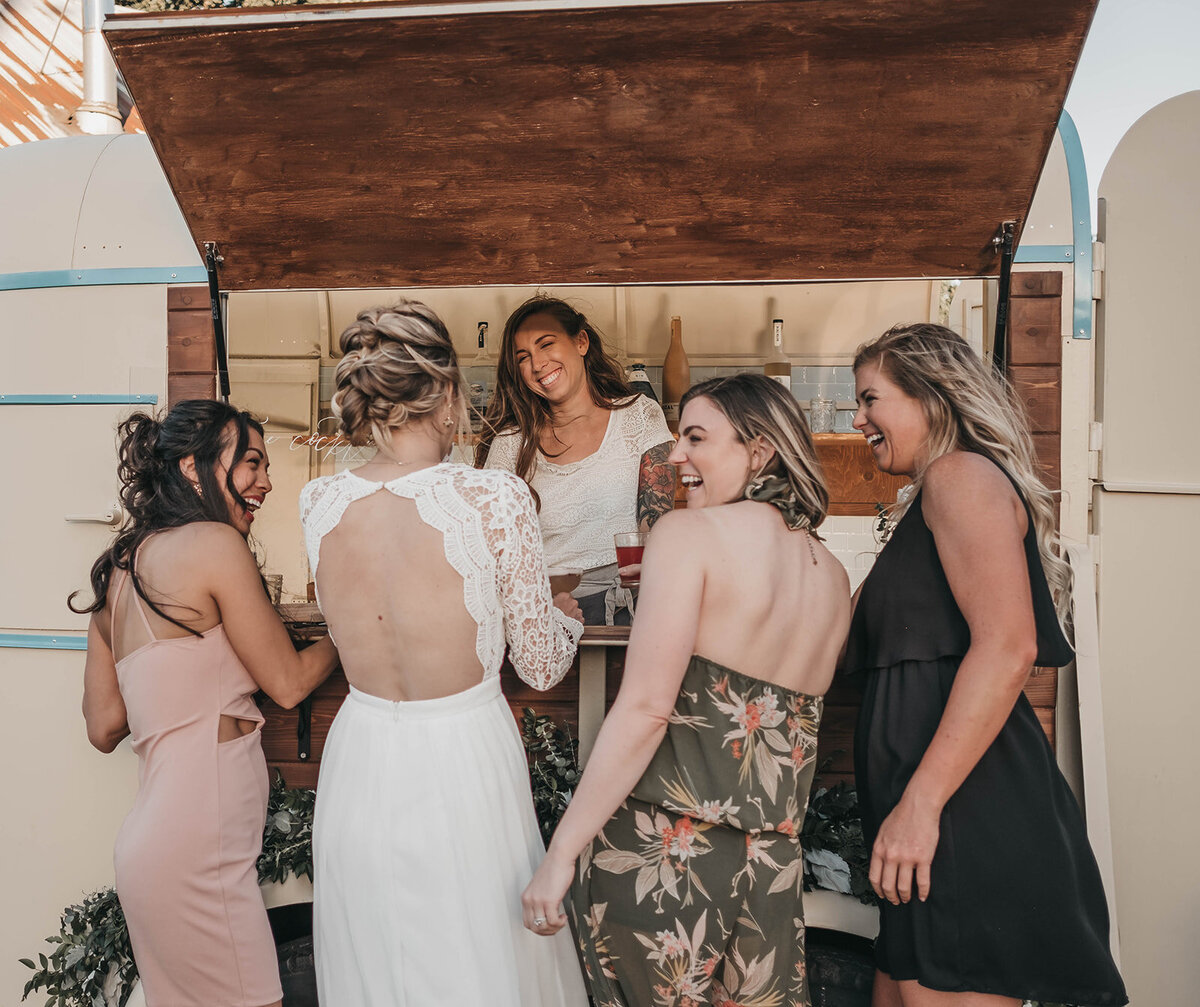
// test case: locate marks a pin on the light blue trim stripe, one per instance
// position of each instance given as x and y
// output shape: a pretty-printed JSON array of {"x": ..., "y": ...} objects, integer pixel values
[
  {"x": 1045, "y": 253},
  {"x": 101, "y": 277},
  {"x": 42, "y": 641},
  {"x": 1081, "y": 225},
  {"x": 78, "y": 400}
]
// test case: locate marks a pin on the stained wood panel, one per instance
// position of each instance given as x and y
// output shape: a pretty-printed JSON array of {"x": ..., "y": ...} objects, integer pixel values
[
  {"x": 191, "y": 347},
  {"x": 1040, "y": 390},
  {"x": 856, "y": 486},
  {"x": 766, "y": 140},
  {"x": 1035, "y": 327},
  {"x": 1035, "y": 362}
]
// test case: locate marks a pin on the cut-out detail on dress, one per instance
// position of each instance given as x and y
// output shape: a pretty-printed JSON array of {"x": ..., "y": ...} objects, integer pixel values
[{"x": 490, "y": 536}]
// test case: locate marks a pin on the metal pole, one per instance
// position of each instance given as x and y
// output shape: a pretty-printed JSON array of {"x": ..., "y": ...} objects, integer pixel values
[
  {"x": 212, "y": 257},
  {"x": 1005, "y": 241},
  {"x": 98, "y": 112}
]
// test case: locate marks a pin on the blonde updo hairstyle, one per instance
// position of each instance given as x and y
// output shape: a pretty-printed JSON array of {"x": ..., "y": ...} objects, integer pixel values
[
  {"x": 398, "y": 366},
  {"x": 970, "y": 407}
]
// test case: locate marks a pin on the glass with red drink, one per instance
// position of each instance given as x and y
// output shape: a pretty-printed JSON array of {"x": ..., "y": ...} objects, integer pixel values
[{"x": 630, "y": 546}]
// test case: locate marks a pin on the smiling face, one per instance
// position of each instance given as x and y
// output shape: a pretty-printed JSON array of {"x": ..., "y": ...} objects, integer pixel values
[
  {"x": 250, "y": 477},
  {"x": 549, "y": 361},
  {"x": 893, "y": 422},
  {"x": 713, "y": 464}
]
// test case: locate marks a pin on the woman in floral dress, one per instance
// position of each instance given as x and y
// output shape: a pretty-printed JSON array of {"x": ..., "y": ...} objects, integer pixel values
[{"x": 685, "y": 825}]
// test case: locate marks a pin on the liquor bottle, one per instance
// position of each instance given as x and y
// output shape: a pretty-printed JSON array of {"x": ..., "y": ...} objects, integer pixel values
[
  {"x": 639, "y": 380},
  {"x": 677, "y": 375},
  {"x": 482, "y": 358},
  {"x": 778, "y": 366}
]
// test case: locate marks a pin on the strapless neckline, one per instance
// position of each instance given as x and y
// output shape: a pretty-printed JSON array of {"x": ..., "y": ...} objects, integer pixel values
[{"x": 752, "y": 679}]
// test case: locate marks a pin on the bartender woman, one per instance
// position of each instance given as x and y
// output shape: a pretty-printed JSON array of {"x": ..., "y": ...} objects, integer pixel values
[{"x": 565, "y": 420}]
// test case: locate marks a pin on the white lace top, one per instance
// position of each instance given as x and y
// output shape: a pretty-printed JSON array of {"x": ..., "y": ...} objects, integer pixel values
[
  {"x": 584, "y": 503},
  {"x": 490, "y": 536}
]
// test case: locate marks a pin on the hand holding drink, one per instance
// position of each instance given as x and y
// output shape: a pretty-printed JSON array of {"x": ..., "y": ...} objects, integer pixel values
[
  {"x": 630, "y": 546},
  {"x": 564, "y": 580}
]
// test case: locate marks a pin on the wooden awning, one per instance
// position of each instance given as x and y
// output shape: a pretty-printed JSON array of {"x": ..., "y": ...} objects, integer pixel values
[{"x": 528, "y": 141}]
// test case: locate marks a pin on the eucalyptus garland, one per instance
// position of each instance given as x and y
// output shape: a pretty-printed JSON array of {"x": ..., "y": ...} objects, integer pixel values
[
  {"x": 553, "y": 757},
  {"x": 92, "y": 962}
]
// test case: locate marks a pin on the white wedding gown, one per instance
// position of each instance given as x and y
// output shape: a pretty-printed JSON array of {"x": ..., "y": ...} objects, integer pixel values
[{"x": 425, "y": 834}]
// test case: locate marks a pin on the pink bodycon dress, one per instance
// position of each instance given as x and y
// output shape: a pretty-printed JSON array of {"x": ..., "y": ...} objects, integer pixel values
[{"x": 185, "y": 855}]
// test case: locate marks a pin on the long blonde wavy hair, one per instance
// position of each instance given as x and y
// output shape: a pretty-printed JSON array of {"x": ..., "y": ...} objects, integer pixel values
[
  {"x": 397, "y": 367},
  {"x": 970, "y": 407}
]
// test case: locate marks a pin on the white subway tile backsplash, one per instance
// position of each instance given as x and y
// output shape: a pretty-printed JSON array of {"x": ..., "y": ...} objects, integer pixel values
[{"x": 852, "y": 541}]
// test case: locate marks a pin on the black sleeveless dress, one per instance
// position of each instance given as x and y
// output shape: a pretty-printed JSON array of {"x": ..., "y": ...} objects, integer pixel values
[{"x": 1016, "y": 906}]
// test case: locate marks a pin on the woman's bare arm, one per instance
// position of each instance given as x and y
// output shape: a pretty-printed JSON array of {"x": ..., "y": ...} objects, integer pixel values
[
  {"x": 978, "y": 524},
  {"x": 103, "y": 708},
  {"x": 253, "y": 627},
  {"x": 656, "y": 486},
  {"x": 660, "y": 646}
]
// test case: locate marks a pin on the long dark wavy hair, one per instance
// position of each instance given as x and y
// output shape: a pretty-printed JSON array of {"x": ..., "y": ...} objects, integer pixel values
[
  {"x": 515, "y": 407},
  {"x": 155, "y": 494}
]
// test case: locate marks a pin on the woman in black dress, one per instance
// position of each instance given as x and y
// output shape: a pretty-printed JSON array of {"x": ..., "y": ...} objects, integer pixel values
[{"x": 978, "y": 848}]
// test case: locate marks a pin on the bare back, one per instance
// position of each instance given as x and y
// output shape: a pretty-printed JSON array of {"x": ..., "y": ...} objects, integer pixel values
[
  {"x": 766, "y": 609},
  {"x": 426, "y": 579},
  {"x": 395, "y": 605}
]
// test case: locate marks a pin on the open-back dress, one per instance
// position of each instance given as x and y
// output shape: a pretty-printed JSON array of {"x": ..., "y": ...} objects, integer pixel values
[{"x": 425, "y": 834}]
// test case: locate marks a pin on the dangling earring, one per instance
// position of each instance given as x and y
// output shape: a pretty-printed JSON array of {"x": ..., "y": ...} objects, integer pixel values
[
  {"x": 199, "y": 491},
  {"x": 448, "y": 421}
]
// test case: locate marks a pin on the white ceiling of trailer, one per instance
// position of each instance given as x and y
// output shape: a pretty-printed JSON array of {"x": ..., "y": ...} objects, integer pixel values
[{"x": 89, "y": 202}]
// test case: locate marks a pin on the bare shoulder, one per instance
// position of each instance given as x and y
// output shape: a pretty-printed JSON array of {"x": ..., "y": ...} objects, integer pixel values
[
  {"x": 679, "y": 526},
  {"x": 963, "y": 486},
  {"x": 677, "y": 536},
  {"x": 830, "y": 566},
  {"x": 211, "y": 545}
]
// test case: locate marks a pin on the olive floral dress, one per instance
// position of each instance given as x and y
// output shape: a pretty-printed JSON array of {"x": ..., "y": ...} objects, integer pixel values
[{"x": 691, "y": 893}]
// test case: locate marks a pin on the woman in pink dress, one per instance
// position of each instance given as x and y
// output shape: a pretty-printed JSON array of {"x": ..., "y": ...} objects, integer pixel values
[{"x": 182, "y": 636}]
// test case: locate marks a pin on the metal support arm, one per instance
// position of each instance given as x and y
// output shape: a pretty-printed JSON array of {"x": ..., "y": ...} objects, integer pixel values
[{"x": 212, "y": 257}]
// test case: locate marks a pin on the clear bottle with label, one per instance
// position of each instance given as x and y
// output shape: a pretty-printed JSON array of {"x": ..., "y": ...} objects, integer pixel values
[
  {"x": 639, "y": 380},
  {"x": 778, "y": 365},
  {"x": 676, "y": 375},
  {"x": 482, "y": 358}
]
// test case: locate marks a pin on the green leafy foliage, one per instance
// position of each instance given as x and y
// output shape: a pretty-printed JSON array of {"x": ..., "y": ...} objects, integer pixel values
[
  {"x": 553, "y": 757},
  {"x": 835, "y": 853},
  {"x": 287, "y": 835},
  {"x": 92, "y": 962}
]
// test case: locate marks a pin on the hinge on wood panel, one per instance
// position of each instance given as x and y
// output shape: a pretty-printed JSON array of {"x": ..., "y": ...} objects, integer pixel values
[
  {"x": 1097, "y": 270},
  {"x": 1095, "y": 444}
]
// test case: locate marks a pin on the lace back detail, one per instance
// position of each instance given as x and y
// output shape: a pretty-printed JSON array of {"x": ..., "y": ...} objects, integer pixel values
[{"x": 490, "y": 537}]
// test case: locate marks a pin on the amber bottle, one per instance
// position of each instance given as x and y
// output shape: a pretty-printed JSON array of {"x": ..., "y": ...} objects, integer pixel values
[{"x": 676, "y": 375}]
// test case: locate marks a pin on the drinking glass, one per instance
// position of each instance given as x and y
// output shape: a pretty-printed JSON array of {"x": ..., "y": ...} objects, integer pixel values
[
  {"x": 822, "y": 415},
  {"x": 630, "y": 546},
  {"x": 564, "y": 580}
]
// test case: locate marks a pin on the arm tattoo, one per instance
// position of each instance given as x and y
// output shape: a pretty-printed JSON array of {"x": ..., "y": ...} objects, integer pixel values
[{"x": 656, "y": 485}]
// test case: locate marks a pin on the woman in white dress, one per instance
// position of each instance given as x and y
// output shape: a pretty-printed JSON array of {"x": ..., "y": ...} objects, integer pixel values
[
  {"x": 425, "y": 831},
  {"x": 595, "y": 454}
]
